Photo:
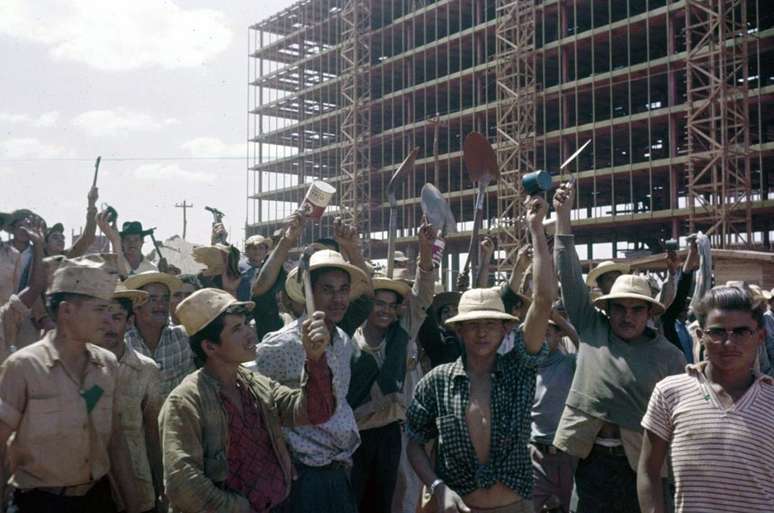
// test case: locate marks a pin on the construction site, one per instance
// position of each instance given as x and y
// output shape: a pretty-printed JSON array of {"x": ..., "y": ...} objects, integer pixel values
[{"x": 675, "y": 97}]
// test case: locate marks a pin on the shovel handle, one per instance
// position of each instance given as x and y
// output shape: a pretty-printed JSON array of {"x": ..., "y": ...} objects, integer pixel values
[
  {"x": 96, "y": 171},
  {"x": 391, "y": 243},
  {"x": 308, "y": 293}
]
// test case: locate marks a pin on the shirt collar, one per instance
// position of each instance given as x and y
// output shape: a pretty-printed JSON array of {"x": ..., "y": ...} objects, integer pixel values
[
  {"x": 130, "y": 358},
  {"x": 458, "y": 368},
  {"x": 52, "y": 356}
]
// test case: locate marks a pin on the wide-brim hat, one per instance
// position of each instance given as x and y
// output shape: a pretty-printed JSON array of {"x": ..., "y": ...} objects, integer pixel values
[
  {"x": 134, "y": 228},
  {"x": 327, "y": 258},
  {"x": 8, "y": 219},
  {"x": 605, "y": 267},
  {"x": 399, "y": 256},
  {"x": 257, "y": 240},
  {"x": 203, "y": 306},
  {"x": 400, "y": 287},
  {"x": 138, "y": 281},
  {"x": 630, "y": 286},
  {"x": 480, "y": 304},
  {"x": 213, "y": 258},
  {"x": 137, "y": 297}
]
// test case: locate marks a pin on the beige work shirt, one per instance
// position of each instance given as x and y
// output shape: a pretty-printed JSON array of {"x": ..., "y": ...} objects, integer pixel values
[
  {"x": 57, "y": 442},
  {"x": 12, "y": 315},
  {"x": 136, "y": 453},
  {"x": 10, "y": 270}
]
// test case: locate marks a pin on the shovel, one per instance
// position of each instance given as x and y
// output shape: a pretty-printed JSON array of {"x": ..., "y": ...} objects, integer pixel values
[
  {"x": 436, "y": 209},
  {"x": 397, "y": 176},
  {"x": 481, "y": 163}
]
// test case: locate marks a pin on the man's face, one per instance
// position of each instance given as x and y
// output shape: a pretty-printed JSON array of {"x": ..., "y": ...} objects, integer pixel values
[
  {"x": 19, "y": 233},
  {"x": 605, "y": 282},
  {"x": 331, "y": 294},
  {"x": 132, "y": 245},
  {"x": 735, "y": 352},
  {"x": 186, "y": 290},
  {"x": 481, "y": 337},
  {"x": 385, "y": 311},
  {"x": 256, "y": 253},
  {"x": 237, "y": 342},
  {"x": 447, "y": 312},
  {"x": 114, "y": 336},
  {"x": 155, "y": 312},
  {"x": 628, "y": 317},
  {"x": 87, "y": 319},
  {"x": 553, "y": 337},
  {"x": 55, "y": 244}
]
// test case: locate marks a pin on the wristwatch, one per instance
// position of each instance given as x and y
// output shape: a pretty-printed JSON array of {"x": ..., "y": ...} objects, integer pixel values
[{"x": 435, "y": 485}]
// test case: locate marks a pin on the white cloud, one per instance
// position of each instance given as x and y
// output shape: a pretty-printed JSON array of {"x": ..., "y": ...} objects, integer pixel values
[
  {"x": 116, "y": 35},
  {"x": 213, "y": 147},
  {"x": 29, "y": 147},
  {"x": 171, "y": 172},
  {"x": 118, "y": 122},
  {"x": 45, "y": 120}
]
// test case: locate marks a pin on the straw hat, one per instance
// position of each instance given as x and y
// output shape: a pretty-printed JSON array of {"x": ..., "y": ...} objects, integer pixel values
[
  {"x": 327, "y": 258},
  {"x": 605, "y": 267},
  {"x": 84, "y": 278},
  {"x": 257, "y": 240},
  {"x": 400, "y": 287},
  {"x": 478, "y": 304},
  {"x": 203, "y": 306},
  {"x": 213, "y": 257},
  {"x": 138, "y": 281},
  {"x": 760, "y": 295},
  {"x": 630, "y": 286},
  {"x": 137, "y": 297}
]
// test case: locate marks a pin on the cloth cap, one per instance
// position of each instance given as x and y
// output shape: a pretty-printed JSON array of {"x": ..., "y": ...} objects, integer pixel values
[
  {"x": 138, "y": 281},
  {"x": 630, "y": 286},
  {"x": 204, "y": 306},
  {"x": 83, "y": 277},
  {"x": 257, "y": 240},
  {"x": 605, "y": 267},
  {"x": 327, "y": 258},
  {"x": 480, "y": 304},
  {"x": 57, "y": 228}
]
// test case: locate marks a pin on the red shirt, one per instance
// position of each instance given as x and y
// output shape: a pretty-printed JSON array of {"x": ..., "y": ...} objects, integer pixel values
[{"x": 253, "y": 468}]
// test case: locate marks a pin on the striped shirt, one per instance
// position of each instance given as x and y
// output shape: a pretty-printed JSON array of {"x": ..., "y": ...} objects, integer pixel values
[{"x": 722, "y": 451}]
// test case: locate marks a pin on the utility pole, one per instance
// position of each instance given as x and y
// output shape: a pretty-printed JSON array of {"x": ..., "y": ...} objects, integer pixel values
[{"x": 185, "y": 206}]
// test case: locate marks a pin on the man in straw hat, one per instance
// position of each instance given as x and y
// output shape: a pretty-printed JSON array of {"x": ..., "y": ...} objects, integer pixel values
[
  {"x": 57, "y": 399},
  {"x": 478, "y": 408},
  {"x": 604, "y": 274},
  {"x": 132, "y": 238},
  {"x": 136, "y": 453},
  {"x": 379, "y": 366},
  {"x": 714, "y": 421},
  {"x": 223, "y": 445},
  {"x": 323, "y": 454},
  {"x": 153, "y": 333},
  {"x": 620, "y": 360}
]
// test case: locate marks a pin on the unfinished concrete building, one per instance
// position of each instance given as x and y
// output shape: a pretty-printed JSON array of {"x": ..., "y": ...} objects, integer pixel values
[{"x": 675, "y": 96}]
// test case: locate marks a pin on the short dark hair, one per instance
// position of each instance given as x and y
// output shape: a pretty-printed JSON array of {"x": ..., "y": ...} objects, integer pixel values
[
  {"x": 212, "y": 333},
  {"x": 57, "y": 298},
  {"x": 733, "y": 298},
  {"x": 317, "y": 273},
  {"x": 329, "y": 243},
  {"x": 400, "y": 298},
  {"x": 511, "y": 300},
  {"x": 126, "y": 305}
]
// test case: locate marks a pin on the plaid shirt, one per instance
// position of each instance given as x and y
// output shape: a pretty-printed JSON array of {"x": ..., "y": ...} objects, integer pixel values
[
  {"x": 173, "y": 355},
  {"x": 438, "y": 411}
]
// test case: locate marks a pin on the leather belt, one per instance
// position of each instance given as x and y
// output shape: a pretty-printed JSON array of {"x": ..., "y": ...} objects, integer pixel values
[
  {"x": 609, "y": 451},
  {"x": 66, "y": 491}
]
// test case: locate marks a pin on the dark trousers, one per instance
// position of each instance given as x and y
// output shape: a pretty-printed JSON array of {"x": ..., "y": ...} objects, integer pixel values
[
  {"x": 320, "y": 490},
  {"x": 98, "y": 499},
  {"x": 375, "y": 470},
  {"x": 605, "y": 483}
]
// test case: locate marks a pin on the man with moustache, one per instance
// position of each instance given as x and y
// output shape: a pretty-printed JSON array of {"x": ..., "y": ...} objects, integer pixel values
[
  {"x": 136, "y": 452},
  {"x": 323, "y": 453},
  {"x": 223, "y": 446},
  {"x": 132, "y": 238},
  {"x": 57, "y": 399},
  {"x": 154, "y": 335}
]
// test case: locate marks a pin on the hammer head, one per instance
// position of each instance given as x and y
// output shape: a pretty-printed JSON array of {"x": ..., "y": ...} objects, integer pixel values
[{"x": 215, "y": 211}]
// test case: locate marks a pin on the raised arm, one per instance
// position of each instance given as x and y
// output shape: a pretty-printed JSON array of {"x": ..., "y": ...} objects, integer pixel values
[
  {"x": 424, "y": 284},
  {"x": 89, "y": 231},
  {"x": 37, "y": 282},
  {"x": 348, "y": 239},
  {"x": 111, "y": 232},
  {"x": 536, "y": 320},
  {"x": 270, "y": 270},
  {"x": 520, "y": 266},
  {"x": 575, "y": 294},
  {"x": 487, "y": 250}
]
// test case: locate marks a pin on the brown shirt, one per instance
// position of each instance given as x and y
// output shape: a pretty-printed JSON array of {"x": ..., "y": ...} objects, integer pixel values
[
  {"x": 57, "y": 442},
  {"x": 136, "y": 453}
]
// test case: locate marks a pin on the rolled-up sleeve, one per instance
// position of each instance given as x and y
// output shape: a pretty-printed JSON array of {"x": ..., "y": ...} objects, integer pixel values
[{"x": 422, "y": 412}]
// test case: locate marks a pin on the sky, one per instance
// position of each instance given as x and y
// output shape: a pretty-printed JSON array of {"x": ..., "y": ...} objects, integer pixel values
[{"x": 157, "y": 88}]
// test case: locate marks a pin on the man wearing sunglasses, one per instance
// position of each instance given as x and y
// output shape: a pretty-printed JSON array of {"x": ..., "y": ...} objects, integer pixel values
[{"x": 715, "y": 419}]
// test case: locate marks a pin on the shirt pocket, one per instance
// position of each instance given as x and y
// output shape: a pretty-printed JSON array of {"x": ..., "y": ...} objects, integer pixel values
[
  {"x": 216, "y": 467},
  {"x": 45, "y": 417}
]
